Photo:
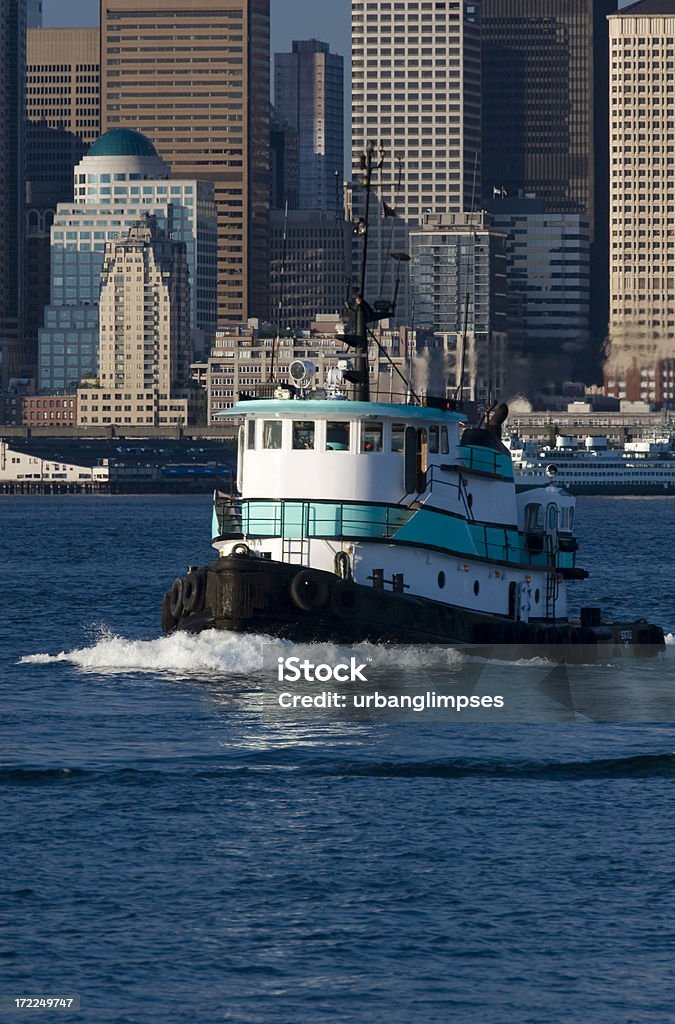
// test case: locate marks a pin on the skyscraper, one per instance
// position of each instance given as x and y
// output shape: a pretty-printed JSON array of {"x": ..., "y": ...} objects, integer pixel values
[
  {"x": 309, "y": 98},
  {"x": 14, "y": 359},
  {"x": 459, "y": 283},
  {"x": 194, "y": 78},
  {"x": 416, "y": 83},
  {"x": 545, "y": 96},
  {"x": 62, "y": 120},
  {"x": 118, "y": 182},
  {"x": 145, "y": 332},
  {"x": 641, "y": 362},
  {"x": 62, "y": 109}
]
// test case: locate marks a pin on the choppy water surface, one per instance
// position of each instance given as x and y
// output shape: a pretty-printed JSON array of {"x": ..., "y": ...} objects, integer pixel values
[{"x": 176, "y": 849}]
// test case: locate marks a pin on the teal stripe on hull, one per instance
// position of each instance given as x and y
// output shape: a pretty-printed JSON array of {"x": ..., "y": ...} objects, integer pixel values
[{"x": 421, "y": 527}]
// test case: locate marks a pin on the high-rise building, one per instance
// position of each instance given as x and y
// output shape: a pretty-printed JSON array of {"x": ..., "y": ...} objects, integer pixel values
[
  {"x": 195, "y": 79},
  {"x": 310, "y": 253},
  {"x": 309, "y": 98},
  {"x": 144, "y": 332},
  {"x": 15, "y": 360},
  {"x": 547, "y": 268},
  {"x": 283, "y": 166},
  {"x": 416, "y": 82},
  {"x": 641, "y": 363},
  {"x": 62, "y": 120},
  {"x": 62, "y": 109},
  {"x": 545, "y": 101},
  {"x": 118, "y": 182},
  {"x": 458, "y": 281}
]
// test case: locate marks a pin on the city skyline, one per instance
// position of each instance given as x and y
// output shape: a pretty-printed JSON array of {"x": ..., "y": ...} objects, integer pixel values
[{"x": 291, "y": 19}]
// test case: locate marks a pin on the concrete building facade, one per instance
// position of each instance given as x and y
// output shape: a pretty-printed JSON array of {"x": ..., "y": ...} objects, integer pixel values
[
  {"x": 195, "y": 79},
  {"x": 62, "y": 121},
  {"x": 309, "y": 98},
  {"x": 641, "y": 362},
  {"x": 144, "y": 333},
  {"x": 15, "y": 357},
  {"x": 120, "y": 180},
  {"x": 310, "y": 254},
  {"x": 545, "y": 116},
  {"x": 548, "y": 281},
  {"x": 242, "y": 360},
  {"x": 416, "y": 92},
  {"x": 458, "y": 282}
]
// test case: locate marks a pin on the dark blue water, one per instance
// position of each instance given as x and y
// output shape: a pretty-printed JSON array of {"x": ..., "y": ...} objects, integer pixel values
[{"x": 174, "y": 851}]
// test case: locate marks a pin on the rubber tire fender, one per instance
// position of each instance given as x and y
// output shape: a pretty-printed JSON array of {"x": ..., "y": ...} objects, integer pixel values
[
  {"x": 176, "y": 598},
  {"x": 168, "y": 620},
  {"x": 309, "y": 590},
  {"x": 194, "y": 591},
  {"x": 240, "y": 550}
]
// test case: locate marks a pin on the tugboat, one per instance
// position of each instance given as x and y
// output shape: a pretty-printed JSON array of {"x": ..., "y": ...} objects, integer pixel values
[{"x": 363, "y": 520}]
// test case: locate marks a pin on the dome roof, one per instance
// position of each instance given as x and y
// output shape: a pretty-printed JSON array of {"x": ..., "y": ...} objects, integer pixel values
[{"x": 122, "y": 142}]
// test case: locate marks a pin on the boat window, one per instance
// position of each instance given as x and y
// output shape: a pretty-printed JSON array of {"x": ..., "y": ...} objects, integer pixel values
[
  {"x": 303, "y": 434},
  {"x": 570, "y": 521},
  {"x": 371, "y": 437},
  {"x": 251, "y": 434},
  {"x": 534, "y": 517},
  {"x": 433, "y": 440},
  {"x": 337, "y": 436},
  {"x": 552, "y": 516},
  {"x": 272, "y": 433},
  {"x": 398, "y": 437},
  {"x": 445, "y": 445}
]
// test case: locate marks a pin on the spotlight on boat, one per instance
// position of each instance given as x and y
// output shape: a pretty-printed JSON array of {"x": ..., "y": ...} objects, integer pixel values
[{"x": 302, "y": 372}]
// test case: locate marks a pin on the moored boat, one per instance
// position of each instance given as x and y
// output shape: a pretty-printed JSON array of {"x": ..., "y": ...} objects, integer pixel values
[{"x": 644, "y": 466}]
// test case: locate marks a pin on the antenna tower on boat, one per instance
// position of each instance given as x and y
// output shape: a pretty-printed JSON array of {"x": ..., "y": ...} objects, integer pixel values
[{"x": 359, "y": 313}]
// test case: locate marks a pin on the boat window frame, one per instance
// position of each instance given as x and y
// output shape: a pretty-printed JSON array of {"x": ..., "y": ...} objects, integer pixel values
[
  {"x": 371, "y": 425},
  {"x": 297, "y": 427},
  {"x": 433, "y": 439},
  {"x": 268, "y": 425},
  {"x": 250, "y": 435},
  {"x": 396, "y": 429},
  {"x": 334, "y": 424},
  {"x": 445, "y": 440}
]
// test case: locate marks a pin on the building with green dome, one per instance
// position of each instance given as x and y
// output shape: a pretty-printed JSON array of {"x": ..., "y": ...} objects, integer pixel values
[{"x": 120, "y": 181}]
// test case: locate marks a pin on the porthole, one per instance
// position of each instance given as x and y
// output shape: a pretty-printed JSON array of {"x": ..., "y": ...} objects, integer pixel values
[
  {"x": 476, "y": 587},
  {"x": 441, "y": 579},
  {"x": 537, "y": 595}
]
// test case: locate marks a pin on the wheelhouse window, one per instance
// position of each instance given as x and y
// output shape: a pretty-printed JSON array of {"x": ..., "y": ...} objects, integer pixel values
[
  {"x": 250, "y": 434},
  {"x": 371, "y": 436},
  {"x": 433, "y": 440},
  {"x": 445, "y": 444},
  {"x": 303, "y": 434},
  {"x": 337, "y": 436},
  {"x": 272, "y": 433},
  {"x": 398, "y": 437}
]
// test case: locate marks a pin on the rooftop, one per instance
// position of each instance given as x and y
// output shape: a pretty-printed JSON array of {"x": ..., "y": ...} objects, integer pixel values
[
  {"x": 122, "y": 142},
  {"x": 643, "y": 8}
]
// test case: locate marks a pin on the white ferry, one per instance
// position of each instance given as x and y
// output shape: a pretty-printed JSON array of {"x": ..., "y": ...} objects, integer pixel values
[
  {"x": 590, "y": 466},
  {"x": 363, "y": 520}
]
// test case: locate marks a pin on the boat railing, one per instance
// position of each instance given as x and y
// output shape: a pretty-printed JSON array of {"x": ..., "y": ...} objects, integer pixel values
[
  {"x": 227, "y": 514},
  {"x": 308, "y": 519}
]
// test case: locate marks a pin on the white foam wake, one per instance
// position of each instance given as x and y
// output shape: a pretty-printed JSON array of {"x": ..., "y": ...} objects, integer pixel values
[
  {"x": 670, "y": 639},
  {"x": 182, "y": 654},
  {"x": 224, "y": 653}
]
